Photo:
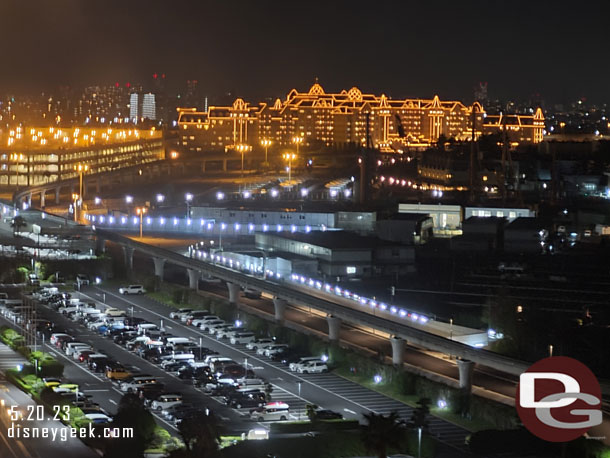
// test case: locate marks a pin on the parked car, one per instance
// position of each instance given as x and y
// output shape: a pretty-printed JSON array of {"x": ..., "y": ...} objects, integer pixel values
[
  {"x": 132, "y": 289},
  {"x": 293, "y": 366},
  {"x": 326, "y": 414},
  {"x": 242, "y": 337},
  {"x": 176, "y": 314},
  {"x": 256, "y": 344},
  {"x": 166, "y": 400},
  {"x": 131, "y": 383},
  {"x": 116, "y": 372},
  {"x": 312, "y": 367},
  {"x": 272, "y": 411},
  {"x": 241, "y": 400}
]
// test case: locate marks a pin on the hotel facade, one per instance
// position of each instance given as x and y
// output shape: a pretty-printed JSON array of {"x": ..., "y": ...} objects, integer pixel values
[{"x": 349, "y": 117}]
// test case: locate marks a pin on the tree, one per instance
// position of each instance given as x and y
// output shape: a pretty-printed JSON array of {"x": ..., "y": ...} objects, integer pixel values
[
  {"x": 132, "y": 414},
  {"x": 17, "y": 224},
  {"x": 200, "y": 435},
  {"x": 419, "y": 419},
  {"x": 382, "y": 432}
]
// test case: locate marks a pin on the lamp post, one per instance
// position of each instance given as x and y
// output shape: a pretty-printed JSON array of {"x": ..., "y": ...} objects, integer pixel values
[
  {"x": 266, "y": 143},
  {"x": 297, "y": 140},
  {"x": 289, "y": 157},
  {"x": 74, "y": 200},
  {"x": 188, "y": 198},
  {"x": 242, "y": 148},
  {"x": 141, "y": 211},
  {"x": 81, "y": 169}
]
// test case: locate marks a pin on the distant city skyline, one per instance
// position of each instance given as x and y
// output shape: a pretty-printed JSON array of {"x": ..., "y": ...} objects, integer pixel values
[{"x": 263, "y": 49}]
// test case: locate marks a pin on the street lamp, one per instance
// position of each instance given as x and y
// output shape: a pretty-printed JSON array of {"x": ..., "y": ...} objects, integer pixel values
[
  {"x": 297, "y": 140},
  {"x": 266, "y": 143},
  {"x": 242, "y": 148},
  {"x": 81, "y": 169},
  {"x": 74, "y": 200},
  {"x": 188, "y": 197},
  {"x": 289, "y": 157},
  {"x": 141, "y": 211}
]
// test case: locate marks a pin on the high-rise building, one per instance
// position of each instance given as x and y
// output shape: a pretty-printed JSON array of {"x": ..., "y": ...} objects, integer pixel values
[
  {"x": 134, "y": 106},
  {"x": 149, "y": 110}
]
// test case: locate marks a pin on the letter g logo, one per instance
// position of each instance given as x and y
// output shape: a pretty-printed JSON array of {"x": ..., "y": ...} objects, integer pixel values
[{"x": 558, "y": 399}]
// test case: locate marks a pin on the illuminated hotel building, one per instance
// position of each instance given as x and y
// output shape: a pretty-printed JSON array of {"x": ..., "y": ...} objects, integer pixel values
[
  {"x": 31, "y": 156},
  {"x": 519, "y": 128},
  {"x": 336, "y": 119}
]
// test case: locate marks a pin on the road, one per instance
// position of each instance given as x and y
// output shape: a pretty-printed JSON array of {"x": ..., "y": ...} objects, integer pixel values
[{"x": 12, "y": 447}]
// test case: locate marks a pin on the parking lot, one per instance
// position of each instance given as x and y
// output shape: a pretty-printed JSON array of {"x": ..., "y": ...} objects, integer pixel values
[{"x": 296, "y": 390}]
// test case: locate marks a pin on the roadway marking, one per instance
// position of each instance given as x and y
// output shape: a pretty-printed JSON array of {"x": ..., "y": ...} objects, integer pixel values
[
  {"x": 81, "y": 367},
  {"x": 112, "y": 401},
  {"x": 350, "y": 411},
  {"x": 248, "y": 355},
  {"x": 93, "y": 391}
]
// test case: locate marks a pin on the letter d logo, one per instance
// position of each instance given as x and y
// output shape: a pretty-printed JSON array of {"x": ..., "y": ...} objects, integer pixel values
[{"x": 558, "y": 399}]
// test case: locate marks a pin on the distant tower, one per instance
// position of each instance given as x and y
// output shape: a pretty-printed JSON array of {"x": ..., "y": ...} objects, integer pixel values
[
  {"x": 134, "y": 105},
  {"x": 149, "y": 108},
  {"x": 480, "y": 93}
]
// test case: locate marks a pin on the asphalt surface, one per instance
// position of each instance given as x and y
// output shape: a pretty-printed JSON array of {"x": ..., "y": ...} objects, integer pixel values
[
  {"x": 324, "y": 390},
  {"x": 41, "y": 447}
]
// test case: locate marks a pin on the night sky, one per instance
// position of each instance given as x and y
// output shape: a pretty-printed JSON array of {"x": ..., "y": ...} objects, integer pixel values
[{"x": 263, "y": 48}]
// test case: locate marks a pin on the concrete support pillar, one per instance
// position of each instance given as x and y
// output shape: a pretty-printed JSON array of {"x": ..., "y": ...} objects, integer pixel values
[
  {"x": 57, "y": 195},
  {"x": 224, "y": 165},
  {"x": 159, "y": 264},
  {"x": 466, "y": 370},
  {"x": 193, "y": 277},
  {"x": 128, "y": 252},
  {"x": 203, "y": 163},
  {"x": 100, "y": 245},
  {"x": 398, "y": 350},
  {"x": 334, "y": 328},
  {"x": 42, "y": 198},
  {"x": 98, "y": 185},
  {"x": 280, "y": 309},
  {"x": 29, "y": 200},
  {"x": 233, "y": 292}
]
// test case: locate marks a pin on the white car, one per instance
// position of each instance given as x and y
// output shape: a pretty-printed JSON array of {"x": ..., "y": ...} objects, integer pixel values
[
  {"x": 242, "y": 337},
  {"x": 294, "y": 366},
  {"x": 56, "y": 335},
  {"x": 199, "y": 321},
  {"x": 114, "y": 312},
  {"x": 257, "y": 343},
  {"x": 312, "y": 367},
  {"x": 227, "y": 333},
  {"x": 175, "y": 315},
  {"x": 273, "y": 349},
  {"x": 166, "y": 400},
  {"x": 72, "y": 347},
  {"x": 132, "y": 289},
  {"x": 215, "y": 329},
  {"x": 272, "y": 411},
  {"x": 208, "y": 324}
]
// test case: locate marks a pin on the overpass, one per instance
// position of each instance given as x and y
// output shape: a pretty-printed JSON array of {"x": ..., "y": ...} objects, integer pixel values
[{"x": 283, "y": 294}]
